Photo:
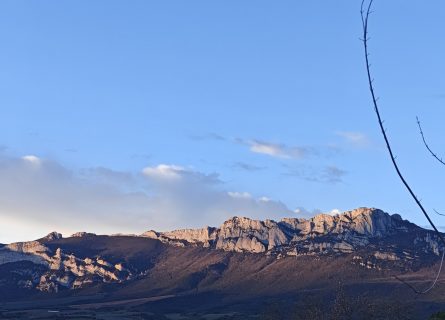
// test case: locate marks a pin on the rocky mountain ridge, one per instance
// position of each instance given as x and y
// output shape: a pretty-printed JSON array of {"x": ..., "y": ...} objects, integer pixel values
[
  {"x": 323, "y": 233},
  {"x": 373, "y": 238}
]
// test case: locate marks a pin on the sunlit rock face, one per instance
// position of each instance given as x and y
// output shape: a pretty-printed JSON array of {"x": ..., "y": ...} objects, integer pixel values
[
  {"x": 32, "y": 251},
  {"x": 82, "y": 234},
  {"x": 363, "y": 221},
  {"x": 205, "y": 236},
  {"x": 324, "y": 233},
  {"x": 244, "y": 234},
  {"x": 62, "y": 270},
  {"x": 52, "y": 236},
  {"x": 371, "y": 238}
]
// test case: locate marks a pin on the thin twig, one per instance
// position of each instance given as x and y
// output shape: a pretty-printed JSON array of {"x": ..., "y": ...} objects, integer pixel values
[
  {"x": 365, "y": 19},
  {"x": 426, "y": 144},
  {"x": 440, "y": 214},
  {"x": 432, "y": 284}
]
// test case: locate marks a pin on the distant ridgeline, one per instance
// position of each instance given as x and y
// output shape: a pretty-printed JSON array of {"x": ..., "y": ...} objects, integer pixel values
[{"x": 371, "y": 238}]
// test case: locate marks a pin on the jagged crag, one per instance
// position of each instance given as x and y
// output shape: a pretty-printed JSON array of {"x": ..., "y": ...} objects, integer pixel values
[{"x": 239, "y": 267}]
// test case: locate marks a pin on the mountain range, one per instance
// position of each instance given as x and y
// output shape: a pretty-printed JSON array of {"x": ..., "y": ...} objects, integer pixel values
[{"x": 329, "y": 266}]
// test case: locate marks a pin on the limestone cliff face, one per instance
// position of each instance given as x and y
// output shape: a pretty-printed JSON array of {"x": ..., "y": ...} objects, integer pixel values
[
  {"x": 203, "y": 235},
  {"x": 323, "y": 233},
  {"x": 244, "y": 234},
  {"x": 82, "y": 234},
  {"x": 374, "y": 239},
  {"x": 62, "y": 270},
  {"x": 32, "y": 251},
  {"x": 368, "y": 222}
]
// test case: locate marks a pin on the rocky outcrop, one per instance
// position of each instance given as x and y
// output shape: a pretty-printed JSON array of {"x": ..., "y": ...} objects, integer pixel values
[
  {"x": 82, "y": 234},
  {"x": 203, "y": 235},
  {"x": 52, "y": 236},
  {"x": 372, "y": 238},
  {"x": 324, "y": 233},
  {"x": 367, "y": 222},
  {"x": 61, "y": 270}
]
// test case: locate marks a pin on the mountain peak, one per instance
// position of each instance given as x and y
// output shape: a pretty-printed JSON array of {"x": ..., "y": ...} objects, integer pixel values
[
  {"x": 82, "y": 234},
  {"x": 347, "y": 231},
  {"x": 52, "y": 236}
]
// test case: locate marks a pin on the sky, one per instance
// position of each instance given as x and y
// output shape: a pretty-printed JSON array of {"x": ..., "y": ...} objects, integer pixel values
[{"x": 120, "y": 117}]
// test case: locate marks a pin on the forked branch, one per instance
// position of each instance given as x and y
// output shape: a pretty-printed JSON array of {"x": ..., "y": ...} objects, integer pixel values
[{"x": 365, "y": 12}]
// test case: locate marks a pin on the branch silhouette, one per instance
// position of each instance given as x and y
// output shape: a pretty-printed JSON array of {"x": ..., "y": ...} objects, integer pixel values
[
  {"x": 431, "y": 152},
  {"x": 426, "y": 144},
  {"x": 365, "y": 12},
  {"x": 440, "y": 214}
]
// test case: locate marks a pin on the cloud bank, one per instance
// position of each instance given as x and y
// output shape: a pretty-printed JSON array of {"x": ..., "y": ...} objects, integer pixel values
[{"x": 42, "y": 195}]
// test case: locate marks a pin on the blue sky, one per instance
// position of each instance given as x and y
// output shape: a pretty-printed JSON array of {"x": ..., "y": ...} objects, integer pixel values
[{"x": 119, "y": 116}]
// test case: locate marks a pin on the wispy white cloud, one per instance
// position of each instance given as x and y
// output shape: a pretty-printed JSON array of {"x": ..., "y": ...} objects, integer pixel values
[
  {"x": 329, "y": 174},
  {"x": 170, "y": 173},
  {"x": 273, "y": 149},
  {"x": 208, "y": 136},
  {"x": 247, "y": 166},
  {"x": 164, "y": 171},
  {"x": 239, "y": 195},
  {"x": 332, "y": 174},
  {"x": 34, "y": 160},
  {"x": 355, "y": 138},
  {"x": 277, "y": 150}
]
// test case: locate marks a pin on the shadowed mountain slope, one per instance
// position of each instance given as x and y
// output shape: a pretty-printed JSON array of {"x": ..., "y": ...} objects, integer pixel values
[{"x": 239, "y": 267}]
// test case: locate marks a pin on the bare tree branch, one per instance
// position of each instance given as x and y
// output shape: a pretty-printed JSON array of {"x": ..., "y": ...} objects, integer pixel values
[
  {"x": 432, "y": 284},
  {"x": 431, "y": 152},
  {"x": 365, "y": 18},
  {"x": 440, "y": 214},
  {"x": 426, "y": 144}
]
